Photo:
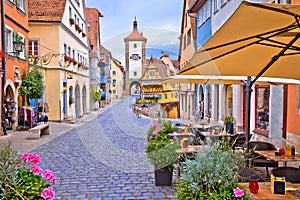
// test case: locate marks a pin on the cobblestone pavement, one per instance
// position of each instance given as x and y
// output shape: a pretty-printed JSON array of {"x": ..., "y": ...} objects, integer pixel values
[{"x": 104, "y": 158}]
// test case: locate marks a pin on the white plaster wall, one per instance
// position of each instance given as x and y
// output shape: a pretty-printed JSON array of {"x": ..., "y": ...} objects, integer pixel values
[
  {"x": 135, "y": 65},
  {"x": 276, "y": 111}
]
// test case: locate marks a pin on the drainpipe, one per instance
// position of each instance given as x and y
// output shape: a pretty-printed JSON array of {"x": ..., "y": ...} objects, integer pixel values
[{"x": 3, "y": 62}]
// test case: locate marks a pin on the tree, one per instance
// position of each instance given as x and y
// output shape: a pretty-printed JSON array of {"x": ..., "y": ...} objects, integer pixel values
[
  {"x": 95, "y": 93},
  {"x": 32, "y": 85}
]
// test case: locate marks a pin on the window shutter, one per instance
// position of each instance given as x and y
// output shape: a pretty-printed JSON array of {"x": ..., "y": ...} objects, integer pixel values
[
  {"x": 25, "y": 47},
  {"x": 13, "y": 40},
  {"x": 18, "y": 3}
]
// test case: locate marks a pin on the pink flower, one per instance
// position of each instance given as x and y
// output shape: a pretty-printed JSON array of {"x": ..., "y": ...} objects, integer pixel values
[
  {"x": 150, "y": 138},
  {"x": 48, "y": 193},
  {"x": 175, "y": 138},
  {"x": 155, "y": 132},
  {"x": 155, "y": 121},
  {"x": 158, "y": 134},
  {"x": 36, "y": 169},
  {"x": 48, "y": 174},
  {"x": 34, "y": 159},
  {"x": 238, "y": 192},
  {"x": 25, "y": 157}
]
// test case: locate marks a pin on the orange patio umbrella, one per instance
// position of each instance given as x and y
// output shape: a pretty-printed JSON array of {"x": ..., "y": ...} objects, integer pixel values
[{"x": 258, "y": 40}]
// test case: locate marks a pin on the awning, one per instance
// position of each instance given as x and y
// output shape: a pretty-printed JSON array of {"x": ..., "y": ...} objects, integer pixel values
[
  {"x": 209, "y": 79},
  {"x": 257, "y": 40},
  {"x": 255, "y": 36}
]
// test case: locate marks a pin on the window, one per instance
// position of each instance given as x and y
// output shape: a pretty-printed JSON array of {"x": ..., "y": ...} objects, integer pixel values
[
  {"x": 262, "y": 96},
  {"x": 184, "y": 41},
  {"x": 9, "y": 35},
  {"x": 114, "y": 73},
  {"x": 204, "y": 13},
  {"x": 134, "y": 45},
  {"x": 216, "y": 7},
  {"x": 34, "y": 47},
  {"x": 114, "y": 91},
  {"x": 70, "y": 12},
  {"x": 114, "y": 81},
  {"x": 21, "y": 5},
  {"x": 166, "y": 96},
  {"x": 189, "y": 36},
  {"x": 152, "y": 73},
  {"x": 135, "y": 73},
  {"x": 223, "y": 2}
]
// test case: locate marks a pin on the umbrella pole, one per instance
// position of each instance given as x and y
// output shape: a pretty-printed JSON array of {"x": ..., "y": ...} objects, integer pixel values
[{"x": 248, "y": 85}]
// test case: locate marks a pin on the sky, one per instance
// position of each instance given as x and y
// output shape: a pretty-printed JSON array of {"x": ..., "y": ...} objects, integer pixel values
[{"x": 158, "y": 20}]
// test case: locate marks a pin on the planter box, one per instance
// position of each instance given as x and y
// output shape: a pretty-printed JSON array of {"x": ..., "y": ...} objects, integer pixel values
[{"x": 163, "y": 177}]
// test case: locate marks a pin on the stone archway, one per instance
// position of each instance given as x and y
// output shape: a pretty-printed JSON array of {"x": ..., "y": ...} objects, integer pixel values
[
  {"x": 135, "y": 88},
  {"x": 77, "y": 102},
  {"x": 84, "y": 101},
  {"x": 10, "y": 106}
]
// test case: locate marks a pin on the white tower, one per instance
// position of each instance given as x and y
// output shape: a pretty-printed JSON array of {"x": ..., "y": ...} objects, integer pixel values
[{"x": 135, "y": 60}]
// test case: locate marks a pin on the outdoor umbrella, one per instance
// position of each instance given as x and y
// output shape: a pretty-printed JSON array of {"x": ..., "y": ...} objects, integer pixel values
[
  {"x": 236, "y": 80},
  {"x": 257, "y": 40}
]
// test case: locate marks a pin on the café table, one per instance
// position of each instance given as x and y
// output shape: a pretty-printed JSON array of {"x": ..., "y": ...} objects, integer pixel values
[
  {"x": 264, "y": 191},
  {"x": 270, "y": 154},
  {"x": 185, "y": 153}
]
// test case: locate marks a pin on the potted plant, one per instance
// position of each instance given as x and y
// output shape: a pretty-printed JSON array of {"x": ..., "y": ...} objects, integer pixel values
[
  {"x": 228, "y": 121},
  {"x": 214, "y": 174},
  {"x": 71, "y": 100},
  {"x": 161, "y": 150}
]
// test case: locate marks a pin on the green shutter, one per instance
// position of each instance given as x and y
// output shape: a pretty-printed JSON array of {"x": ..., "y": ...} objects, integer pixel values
[
  {"x": 13, "y": 40},
  {"x": 24, "y": 50},
  {"x": 18, "y": 3}
]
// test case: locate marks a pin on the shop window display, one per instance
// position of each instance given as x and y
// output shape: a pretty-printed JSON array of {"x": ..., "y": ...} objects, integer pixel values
[{"x": 262, "y": 108}]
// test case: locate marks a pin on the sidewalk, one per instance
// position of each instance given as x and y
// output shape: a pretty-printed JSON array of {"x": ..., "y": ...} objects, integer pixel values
[{"x": 20, "y": 142}]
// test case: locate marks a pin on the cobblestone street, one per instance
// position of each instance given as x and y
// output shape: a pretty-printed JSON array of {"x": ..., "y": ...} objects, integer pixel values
[{"x": 104, "y": 158}]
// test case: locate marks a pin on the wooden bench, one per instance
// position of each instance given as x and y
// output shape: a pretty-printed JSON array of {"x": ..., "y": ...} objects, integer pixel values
[{"x": 37, "y": 131}]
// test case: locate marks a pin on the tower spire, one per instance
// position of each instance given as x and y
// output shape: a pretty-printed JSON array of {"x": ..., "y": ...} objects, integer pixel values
[{"x": 135, "y": 24}]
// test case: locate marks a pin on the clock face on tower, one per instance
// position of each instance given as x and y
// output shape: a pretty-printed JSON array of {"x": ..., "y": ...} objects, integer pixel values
[{"x": 135, "y": 57}]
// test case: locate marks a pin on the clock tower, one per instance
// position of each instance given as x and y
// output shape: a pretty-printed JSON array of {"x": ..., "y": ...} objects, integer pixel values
[{"x": 135, "y": 60}]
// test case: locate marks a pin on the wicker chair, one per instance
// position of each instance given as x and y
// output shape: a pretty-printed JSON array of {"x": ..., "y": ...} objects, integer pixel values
[
  {"x": 260, "y": 161},
  {"x": 291, "y": 174}
]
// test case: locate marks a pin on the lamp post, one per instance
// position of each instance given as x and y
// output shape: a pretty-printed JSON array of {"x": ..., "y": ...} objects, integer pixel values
[{"x": 18, "y": 46}]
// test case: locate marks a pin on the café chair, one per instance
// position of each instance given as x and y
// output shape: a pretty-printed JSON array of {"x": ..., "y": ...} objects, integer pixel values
[
  {"x": 291, "y": 174},
  {"x": 260, "y": 161}
]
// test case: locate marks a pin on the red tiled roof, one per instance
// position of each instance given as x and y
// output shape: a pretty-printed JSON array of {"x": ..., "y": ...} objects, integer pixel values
[
  {"x": 118, "y": 64},
  {"x": 46, "y": 10},
  {"x": 135, "y": 35}
]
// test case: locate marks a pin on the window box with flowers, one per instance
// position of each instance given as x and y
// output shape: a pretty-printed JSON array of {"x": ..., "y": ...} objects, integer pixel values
[
  {"x": 72, "y": 21},
  {"x": 161, "y": 150},
  {"x": 77, "y": 27}
]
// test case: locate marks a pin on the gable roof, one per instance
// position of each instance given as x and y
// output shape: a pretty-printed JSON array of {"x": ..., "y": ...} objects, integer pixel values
[
  {"x": 46, "y": 10},
  {"x": 118, "y": 64}
]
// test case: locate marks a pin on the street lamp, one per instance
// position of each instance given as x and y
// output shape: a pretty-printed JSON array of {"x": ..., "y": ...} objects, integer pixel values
[{"x": 18, "y": 45}]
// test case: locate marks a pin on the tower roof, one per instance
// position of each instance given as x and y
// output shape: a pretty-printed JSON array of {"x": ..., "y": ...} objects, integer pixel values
[{"x": 135, "y": 34}]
